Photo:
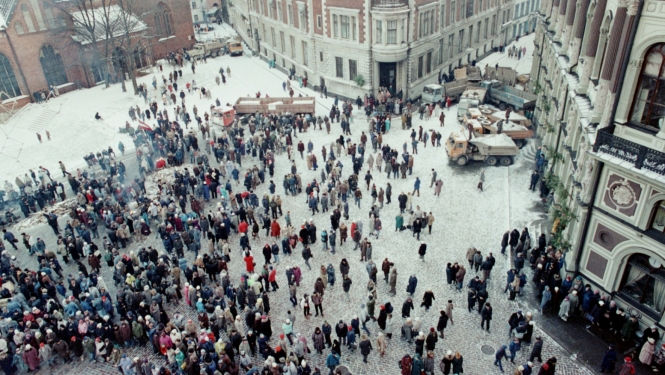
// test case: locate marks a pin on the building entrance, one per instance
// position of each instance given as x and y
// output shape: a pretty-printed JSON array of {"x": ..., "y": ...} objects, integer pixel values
[{"x": 387, "y": 76}]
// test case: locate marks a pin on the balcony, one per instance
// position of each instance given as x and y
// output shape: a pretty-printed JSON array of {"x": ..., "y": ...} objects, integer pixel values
[
  {"x": 640, "y": 156},
  {"x": 389, "y": 3}
]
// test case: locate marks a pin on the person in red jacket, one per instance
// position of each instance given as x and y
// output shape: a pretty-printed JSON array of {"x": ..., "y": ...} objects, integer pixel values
[
  {"x": 249, "y": 262},
  {"x": 272, "y": 278},
  {"x": 275, "y": 229},
  {"x": 242, "y": 227}
]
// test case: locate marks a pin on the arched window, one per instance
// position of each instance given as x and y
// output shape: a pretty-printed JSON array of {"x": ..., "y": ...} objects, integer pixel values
[
  {"x": 52, "y": 65},
  {"x": 649, "y": 101},
  {"x": 163, "y": 23},
  {"x": 644, "y": 282},
  {"x": 8, "y": 85},
  {"x": 658, "y": 218}
]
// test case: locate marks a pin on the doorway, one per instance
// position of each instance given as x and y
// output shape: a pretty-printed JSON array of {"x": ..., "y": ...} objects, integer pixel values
[{"x": 387, "y": 73}]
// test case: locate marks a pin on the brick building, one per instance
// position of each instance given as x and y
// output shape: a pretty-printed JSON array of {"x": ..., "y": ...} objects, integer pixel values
[
  {"x": 598, "y": 67},
  {"x": 398, "y": 44},
  {"x": 41, "y": 44}
]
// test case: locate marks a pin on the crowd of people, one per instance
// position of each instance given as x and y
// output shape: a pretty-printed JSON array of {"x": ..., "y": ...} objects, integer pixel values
[{"x": 176, "y": 244}]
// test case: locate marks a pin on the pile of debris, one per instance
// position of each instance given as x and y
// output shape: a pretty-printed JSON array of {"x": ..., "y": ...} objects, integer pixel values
[{"x": 61, "y": 209}]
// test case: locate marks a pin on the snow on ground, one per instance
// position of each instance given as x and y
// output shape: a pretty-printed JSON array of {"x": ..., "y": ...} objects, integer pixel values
[
  {"x": 523, "y": 65},
  {"x": 464, "y": 216}
]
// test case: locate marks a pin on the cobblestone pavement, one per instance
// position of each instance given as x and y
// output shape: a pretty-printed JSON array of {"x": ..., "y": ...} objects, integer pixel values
[{"x": 464, "y": 217}]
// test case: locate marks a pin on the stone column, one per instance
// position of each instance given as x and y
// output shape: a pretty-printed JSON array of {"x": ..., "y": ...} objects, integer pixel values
[
  {"x": 568, "y": 28},
  {"x": 609, "y": 61},
  {"x": 592, "y": 46},
  {"x": 554, "y": 13},
  {"x": 560, "y": 19},
  {"x": 582, "y": 17}
]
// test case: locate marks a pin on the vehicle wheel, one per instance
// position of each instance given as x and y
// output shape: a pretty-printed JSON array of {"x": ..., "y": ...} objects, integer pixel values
[
  {"x": 506, "y": 161},
  {"x": 520, "y": 142},
  {"x": 462, "y": 160},
  {"x": 491, "y": 161},
  {"x": 502, "y": 106}
]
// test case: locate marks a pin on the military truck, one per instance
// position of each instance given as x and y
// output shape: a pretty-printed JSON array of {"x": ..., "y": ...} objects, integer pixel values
[
  {"x": 504, "y": 96},
  {"x": 493, "y": 149},
  {"x": 209, "y": 49}
]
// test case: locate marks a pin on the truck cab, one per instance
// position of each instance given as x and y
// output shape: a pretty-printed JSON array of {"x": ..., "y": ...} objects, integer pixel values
[
  {"x": 432, "y": 93},
  {"x": 493, "y": 149},
  {"x": 234, "y": 47}
]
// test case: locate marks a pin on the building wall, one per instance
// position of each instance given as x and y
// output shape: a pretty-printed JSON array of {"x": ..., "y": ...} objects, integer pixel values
[
  {"x": 34, "y": 25},
  {"x": 324, "y": 47},
  {"x": 611, "y": 194}
]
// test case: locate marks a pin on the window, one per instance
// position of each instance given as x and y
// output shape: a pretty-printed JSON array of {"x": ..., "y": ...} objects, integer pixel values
[
  {"x": 270, "y": 5},
  {"x": 196, "y": 18},
  {"x": 517, "y": 10},
  {"x": 379, "y": 31},
  {"x": 420, "y": 66},
  {"x": 470, "y": 34},
  {"x": 453, "y": 15},
  {"x": 522, "y": 9},
  {"x": 305, "y": 54},
  {"x": 461, "y": 40},
  {"x": 289, "y": 13},
  {"x": 27, "y": 17},
  {"x": 320, "y": 55},
  {"x": 487, "y": 22},
  {"x": 261, "y": 6},
  {"x": 319, "y": 22},
  {"x": 353, "y": 69},
  {"x": 353, "y": 28},
  {"x": 478, "y": 31},
  {"x": 335, "y": 26},
  {"x": 274, "y": 40},
  {"x": 462, "y": 9},
  {"x": 8, "y": 85},
  {"x": 649, "y": 102},
  {"x": 428, "y": 64},
  {"x": 426, "y": 23},
  {"x": 193, "y": 4},
  {"x": 303, "y": 18},
  {"x": 163, "y": 21},
  {"x": 339, "y": 67},
  {"x": 644, "y": 282},
  {"x": 279, "y": 11},
  {"x": 658, "y": 219},
  {"x": 440, "y": 51},
  {"x": 451, "y": 42},
  {"x": 443, "y": 21},
  {"x": 392, "y": 32},
  {"x": 493, "y": 24},
  {"x": 293, "y": 47},
  {"x": 344, "y": 22},
  {"x": 54, "y": 70},
  {"x": 469, "y": 9},
  {"x": 281, "y": 41}
]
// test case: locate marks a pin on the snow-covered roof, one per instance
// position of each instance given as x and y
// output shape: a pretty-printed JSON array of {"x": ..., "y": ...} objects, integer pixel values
[
  {"x": 513, "y": 116},
  {"x": 111, "y": 21},
  {"x": 6, "y": 11}
]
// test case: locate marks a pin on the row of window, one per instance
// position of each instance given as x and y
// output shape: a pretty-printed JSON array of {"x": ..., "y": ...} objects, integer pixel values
[
  {"x": 339, "y": 68},
  {"x": 275, "y": 10},
  {"x": 282, "y": 44},
  {"x": 526, "y": 7},
  {"x": 52, "y": 66}
]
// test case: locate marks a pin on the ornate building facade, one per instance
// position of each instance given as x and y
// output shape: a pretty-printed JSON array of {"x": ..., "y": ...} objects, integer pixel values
[
  {"x": 600, "y": 72},
  {"x": 355, "y": 47}
]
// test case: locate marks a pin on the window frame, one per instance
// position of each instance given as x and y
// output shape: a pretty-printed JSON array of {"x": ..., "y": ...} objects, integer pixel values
[
  {"x": 8, "y": 79},
  {"x": 636, "y": 260},
  {"x": 651, "y": 98},
  {"x": 353, "y": 68},
  {"x": 388, "y": 32},
  {"x": 339, "y": 67}
]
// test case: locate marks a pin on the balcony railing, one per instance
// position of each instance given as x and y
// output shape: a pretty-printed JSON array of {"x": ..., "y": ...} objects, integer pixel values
[{"x": 640, "y": 156}]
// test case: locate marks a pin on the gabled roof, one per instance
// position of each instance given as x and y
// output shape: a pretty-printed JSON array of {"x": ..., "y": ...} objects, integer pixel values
[
  {"x": 6, "y": 11},
  {"x": 113, "y": 22}
]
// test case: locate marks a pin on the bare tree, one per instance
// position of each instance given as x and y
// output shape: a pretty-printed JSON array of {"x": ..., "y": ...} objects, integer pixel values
[{"x": 90, "y": 25}]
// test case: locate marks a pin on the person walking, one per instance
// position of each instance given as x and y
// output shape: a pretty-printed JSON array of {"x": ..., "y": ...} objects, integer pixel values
[
  {"x": 416, "y": 187},
  {"x": 536, "y": 351},
  {"x": 499, "y": 356},
  {"x": 486, "y": 317},
  {"x": 365, "y": 346}
]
